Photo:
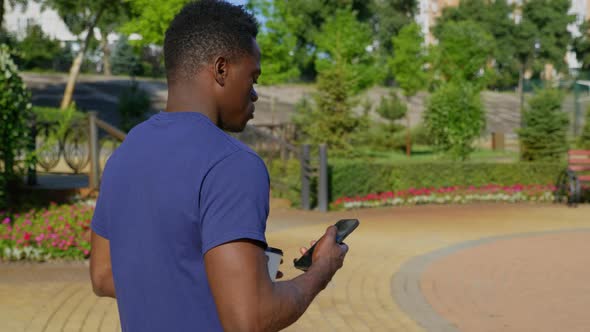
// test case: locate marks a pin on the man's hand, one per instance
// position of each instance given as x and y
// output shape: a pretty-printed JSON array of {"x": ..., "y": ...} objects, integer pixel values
[
  {"x": 247, "y": 299},
  {"x": 328, "y": 256}
]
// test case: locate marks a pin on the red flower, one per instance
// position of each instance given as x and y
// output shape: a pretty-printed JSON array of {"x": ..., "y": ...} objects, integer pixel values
[{"x": 27, "y": 236}]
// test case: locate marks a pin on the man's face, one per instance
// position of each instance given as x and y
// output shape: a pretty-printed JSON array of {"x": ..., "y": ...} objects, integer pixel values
[{"x": 238, "y": 96}]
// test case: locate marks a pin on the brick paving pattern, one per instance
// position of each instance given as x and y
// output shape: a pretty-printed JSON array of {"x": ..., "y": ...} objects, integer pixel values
[{"x": 58, "y": 296}]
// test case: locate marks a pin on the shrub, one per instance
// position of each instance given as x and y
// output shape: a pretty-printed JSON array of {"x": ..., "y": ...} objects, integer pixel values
[
  {"x": 454, "y": 118},
  {"x": 134, "y": 103},
  {"x": 544, "y": 134},
  {"x": 37, "y": 50},
  {"x": 15, "y": 108},
  {"x": 286, "y": 179},
  {"x": 39, "y": 235},
  {"x": 358, "y": 177}
]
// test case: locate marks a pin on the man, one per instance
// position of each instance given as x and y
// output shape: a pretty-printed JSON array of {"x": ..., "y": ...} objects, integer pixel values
[{"x": 178, "y": 230}]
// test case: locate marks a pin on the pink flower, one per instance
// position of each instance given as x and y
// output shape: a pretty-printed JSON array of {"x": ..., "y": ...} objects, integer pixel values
[{"x": 6, "y": 221}]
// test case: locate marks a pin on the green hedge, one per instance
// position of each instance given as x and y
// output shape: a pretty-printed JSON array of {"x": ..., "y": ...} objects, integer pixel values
[
  {"x": 351, "y": 178},
  {"x": 54, "y": 114}
]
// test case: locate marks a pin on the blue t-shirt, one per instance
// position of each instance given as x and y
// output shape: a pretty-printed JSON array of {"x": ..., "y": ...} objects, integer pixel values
[{"x": 177, "y": 187}]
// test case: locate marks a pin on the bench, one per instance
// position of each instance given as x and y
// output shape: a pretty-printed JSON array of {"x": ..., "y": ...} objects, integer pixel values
[{"x": 576, "y": 178}]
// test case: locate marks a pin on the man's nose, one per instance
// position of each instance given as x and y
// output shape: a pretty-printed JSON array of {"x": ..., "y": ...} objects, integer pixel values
[{"x": 253, "y": 95}]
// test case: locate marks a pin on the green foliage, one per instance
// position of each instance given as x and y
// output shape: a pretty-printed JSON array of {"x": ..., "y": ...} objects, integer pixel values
[
  {"x": 463, "y": 52},
  {"x": 37, "y": 50},
  {"x": 125, "y": 60},
  {"x": 389, "y": 18},
  {"x": 342, "y": 44},
  {"x": 329, "y": 119},
  {"x": 53, "y": 114},
  {"x": 134, "y": 103},
  {"x": 277, "y": 43},
  {"x": 286, "y": 179},
  {"x": 345, "y": 69},
  {"x": 544, "y": 134},
  {"x": 391, "y": 107},
  {"x": 455, "y": 118},
  {"x": 495, "y": 17},
  {"x": 584, "y": 140},
  {"x": 151, "y": 18},
  {"x": 304, "y": 19},
  {"x": 552, "y": 38},
  {"x": 409, "y": 60},
  {"x": 581, "y": 46},
  {"x": 15, "y": 108},
  {"x": 359, "y": 177}
]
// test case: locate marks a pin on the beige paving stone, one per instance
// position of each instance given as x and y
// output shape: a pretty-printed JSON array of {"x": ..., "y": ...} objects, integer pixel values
[{"x": 45, "y": 297}]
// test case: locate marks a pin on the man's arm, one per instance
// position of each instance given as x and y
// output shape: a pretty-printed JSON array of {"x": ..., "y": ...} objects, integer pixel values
[
  {"x": 101, "y": 272},
  {"x": 247, "y": 299}
]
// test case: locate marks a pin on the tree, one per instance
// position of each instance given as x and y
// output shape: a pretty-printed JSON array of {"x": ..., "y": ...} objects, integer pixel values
[
  {"x": 542, "y": 36},
  {"x": 15, "y": 107},
  {"x": 408, "y": 65},
  {"x": 342, "y": 45},
  {"x": 125, "y": 60},
  {"x": 345, "y": 68},
  {"x": 111, "y": 21},
  {"x": 454, "y": 118},
  {"x": 581, "y": 46},
  {"x": 277, "y": 42},
  {"x": 389, "y": 17},
  {"x": 37, "y": 50},
  {"x": 544, "y": 137},
  {"x": 81, "y": 16},
  {"x": 495, "y": 17},
  {"x": 391, "y": 108},
  {"x": 463, "y": 53},
  {"x": 151, "y": 18}
]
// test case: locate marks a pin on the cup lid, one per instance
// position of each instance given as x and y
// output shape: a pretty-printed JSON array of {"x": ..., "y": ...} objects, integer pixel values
[{"x": 274, "y": 250}]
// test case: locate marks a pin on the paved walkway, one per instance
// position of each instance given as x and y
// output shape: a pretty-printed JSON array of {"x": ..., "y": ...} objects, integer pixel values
[{"x": 364, "y": 296}]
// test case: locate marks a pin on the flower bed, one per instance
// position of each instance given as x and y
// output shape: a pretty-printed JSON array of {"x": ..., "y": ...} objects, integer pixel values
[
  {"x": 448, "y": 195},
  {"x": 58, "y": 232}
]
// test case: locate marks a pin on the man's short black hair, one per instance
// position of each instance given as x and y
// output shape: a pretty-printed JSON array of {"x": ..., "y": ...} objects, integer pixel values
[{"x": 203, "y": 30}]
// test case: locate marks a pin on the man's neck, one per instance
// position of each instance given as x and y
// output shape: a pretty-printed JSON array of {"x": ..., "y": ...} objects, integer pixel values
[{"x": 191, "y": 98}]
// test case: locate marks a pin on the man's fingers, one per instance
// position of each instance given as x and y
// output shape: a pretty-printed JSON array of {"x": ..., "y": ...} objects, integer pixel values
[
  {"x": 303, "y": 250},
  {"x": 331, "y": 232},
  {"x": 344, "y": 248}
]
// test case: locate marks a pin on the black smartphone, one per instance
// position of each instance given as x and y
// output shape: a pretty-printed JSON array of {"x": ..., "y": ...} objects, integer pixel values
[{"x": 344, "y": 228}]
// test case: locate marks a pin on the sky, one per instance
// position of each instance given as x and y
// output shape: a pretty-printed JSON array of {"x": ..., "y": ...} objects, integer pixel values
[{"x": 238, "y": 2}]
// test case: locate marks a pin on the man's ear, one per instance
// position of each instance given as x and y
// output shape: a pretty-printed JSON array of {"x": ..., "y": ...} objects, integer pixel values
[{"x": 220, "y": 70}]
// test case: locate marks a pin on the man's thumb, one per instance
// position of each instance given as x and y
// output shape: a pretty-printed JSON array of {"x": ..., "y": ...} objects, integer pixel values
[{"x": 331, "y": 233}]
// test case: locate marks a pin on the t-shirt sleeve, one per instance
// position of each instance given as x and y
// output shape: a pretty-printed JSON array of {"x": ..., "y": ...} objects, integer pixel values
[
  {"x": 99, "y": 218},
  {"x": 234, "y": 201}
]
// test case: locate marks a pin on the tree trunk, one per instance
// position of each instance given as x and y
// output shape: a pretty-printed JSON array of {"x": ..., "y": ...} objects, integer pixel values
[
  {"x": 408, "y": 130},
  {"x": 106, "y": 54},
  {"x": 75, "y": 69}
]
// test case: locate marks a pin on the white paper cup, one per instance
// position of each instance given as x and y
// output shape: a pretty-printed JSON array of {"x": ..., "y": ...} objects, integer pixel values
[{"x": 274, "y": 256}]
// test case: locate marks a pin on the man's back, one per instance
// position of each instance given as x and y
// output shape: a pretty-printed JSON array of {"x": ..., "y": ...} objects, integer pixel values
[{"x": 167, "y": 197}]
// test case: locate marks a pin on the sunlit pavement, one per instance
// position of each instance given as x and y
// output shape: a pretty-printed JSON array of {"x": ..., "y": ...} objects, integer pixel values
[{"x": 493, "y": 267}]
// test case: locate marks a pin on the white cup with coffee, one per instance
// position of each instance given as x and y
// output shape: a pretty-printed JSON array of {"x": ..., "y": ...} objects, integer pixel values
[{"x": 274, "y": 257}]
